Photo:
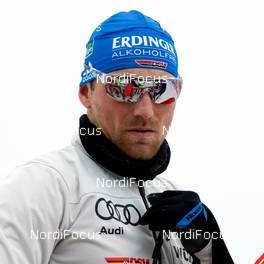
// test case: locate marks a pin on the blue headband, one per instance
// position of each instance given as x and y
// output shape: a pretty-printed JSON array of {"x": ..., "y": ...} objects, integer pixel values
[{"x": 129, "y": 40}]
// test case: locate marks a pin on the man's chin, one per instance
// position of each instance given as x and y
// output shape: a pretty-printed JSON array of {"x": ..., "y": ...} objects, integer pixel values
[{"x": 140, "y": 151}]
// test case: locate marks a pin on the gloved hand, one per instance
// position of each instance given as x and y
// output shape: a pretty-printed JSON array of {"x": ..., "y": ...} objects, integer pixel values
[{"x": 178, "y": 211}]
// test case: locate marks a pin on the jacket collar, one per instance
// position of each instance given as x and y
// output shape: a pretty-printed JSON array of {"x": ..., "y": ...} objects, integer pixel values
[{"x": 104, "y": 152}]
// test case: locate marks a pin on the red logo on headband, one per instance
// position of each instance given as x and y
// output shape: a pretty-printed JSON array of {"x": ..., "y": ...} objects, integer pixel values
[{"x": 153, "y": 63}]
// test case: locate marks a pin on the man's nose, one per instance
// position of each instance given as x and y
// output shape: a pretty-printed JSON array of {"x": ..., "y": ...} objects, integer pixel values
[{"x": 144, "y": 107}]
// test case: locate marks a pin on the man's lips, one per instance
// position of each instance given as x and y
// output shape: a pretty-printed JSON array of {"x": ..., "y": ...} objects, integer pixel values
[{"x": 141, "y": 132}]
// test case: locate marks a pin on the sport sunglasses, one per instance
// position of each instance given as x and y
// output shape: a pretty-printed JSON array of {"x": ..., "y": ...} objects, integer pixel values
[{"x": 127, "y": 88}]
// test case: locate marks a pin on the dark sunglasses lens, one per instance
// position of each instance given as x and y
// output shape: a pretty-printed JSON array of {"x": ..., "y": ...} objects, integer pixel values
[{"x": 132, "y": 90}]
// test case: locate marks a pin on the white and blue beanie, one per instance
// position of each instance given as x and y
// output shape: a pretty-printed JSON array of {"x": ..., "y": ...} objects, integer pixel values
[{"x": 129, "y": 40}]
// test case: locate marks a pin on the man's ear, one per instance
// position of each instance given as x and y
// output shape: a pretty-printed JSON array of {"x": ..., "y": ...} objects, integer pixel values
[{"x": 85, "y": 95}]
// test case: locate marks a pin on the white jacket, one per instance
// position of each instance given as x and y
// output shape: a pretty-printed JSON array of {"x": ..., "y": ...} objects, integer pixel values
[{"x": 64, "y": 208}]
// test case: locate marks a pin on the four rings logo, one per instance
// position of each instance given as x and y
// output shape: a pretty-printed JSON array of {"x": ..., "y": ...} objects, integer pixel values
[{"x": 126, "y": 214}]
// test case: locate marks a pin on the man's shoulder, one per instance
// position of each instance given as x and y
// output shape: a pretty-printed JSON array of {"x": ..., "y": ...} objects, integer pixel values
[
  {"x": 64, "y": 165},
  {"x": 45, "y": 167},
  {"x": 71, "y": 166},
  {"x": 57, "y": 159}
]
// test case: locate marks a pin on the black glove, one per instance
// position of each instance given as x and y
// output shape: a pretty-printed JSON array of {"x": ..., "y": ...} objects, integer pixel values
[
  {"x": 178, "y": 211},
  {"x": 172, "y": 210}
]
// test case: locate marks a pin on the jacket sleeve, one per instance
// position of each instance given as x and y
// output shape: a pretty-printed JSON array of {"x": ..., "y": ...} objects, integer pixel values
[
  {"x": 220, "y": 253},
  {"x": 33, "y": 201},
  {"x": 216, "y": 251}
]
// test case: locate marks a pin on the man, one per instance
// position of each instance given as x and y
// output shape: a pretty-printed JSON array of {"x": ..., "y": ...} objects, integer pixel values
[{"x": 100, "y": 199}]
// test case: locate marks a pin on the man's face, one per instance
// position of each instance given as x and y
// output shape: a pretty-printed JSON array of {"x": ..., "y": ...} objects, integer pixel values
[{"x": 138, "y": 129}]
